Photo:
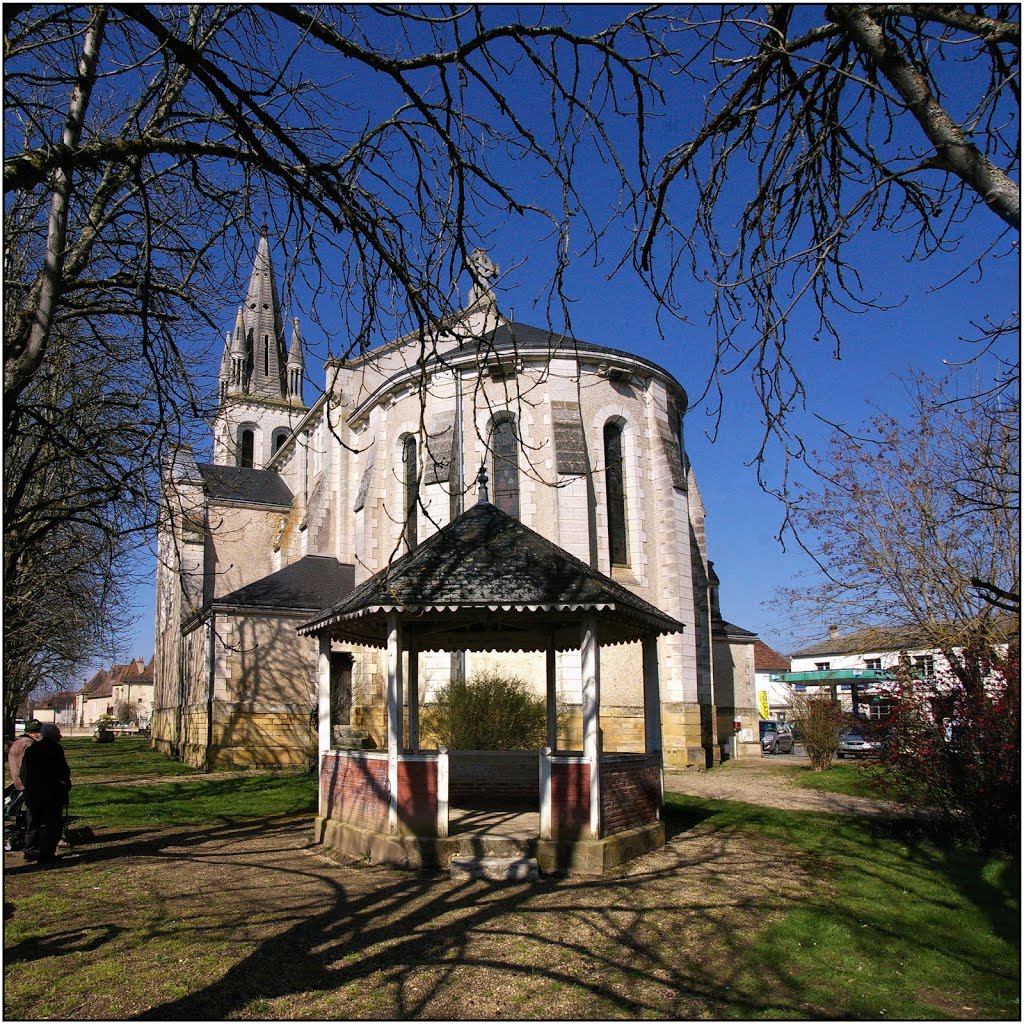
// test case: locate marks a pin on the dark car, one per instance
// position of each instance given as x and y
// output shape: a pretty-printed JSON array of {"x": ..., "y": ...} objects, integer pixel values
[
  {"x": 855, "y": 744},
  {"x": 776, "y": 738}
]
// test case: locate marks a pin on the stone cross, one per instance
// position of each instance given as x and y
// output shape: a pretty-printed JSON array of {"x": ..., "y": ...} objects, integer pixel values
[{"x": 484, "y": 271}]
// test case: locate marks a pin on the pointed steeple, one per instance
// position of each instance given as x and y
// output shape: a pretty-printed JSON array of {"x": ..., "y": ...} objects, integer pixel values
[
  {"x": 239, "y": 357},
  {"x": 296, "y": 362},
  {"x": 224, "y": 376},
  {"x": 264, "y": 330}
]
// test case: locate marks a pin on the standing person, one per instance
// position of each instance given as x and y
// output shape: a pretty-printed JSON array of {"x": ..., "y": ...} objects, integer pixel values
[
  {"x": 47, "y": 780},
  {"x": 17, "y": 751}
]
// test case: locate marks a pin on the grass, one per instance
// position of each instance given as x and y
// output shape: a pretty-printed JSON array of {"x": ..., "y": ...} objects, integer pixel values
[
  {"x": 193, "y": 803},
  {"x": 853, "y": 778},
  {"x": 165, "y": 795},
  {"x": 909, "y": 930},
  {"x": 221, "y": 912},
  {"x": 127, "y": 757}
]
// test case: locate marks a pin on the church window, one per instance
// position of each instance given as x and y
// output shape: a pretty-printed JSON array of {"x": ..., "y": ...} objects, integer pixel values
[
  {"x": 280, "y": 436},
  {"x": 411, "y": 489},
  {"x": 266, "y": 355},
  {"x": 618, "y": 550},
  {"x": 505, "y": 464},
  {"x": 246, "y": 448}
]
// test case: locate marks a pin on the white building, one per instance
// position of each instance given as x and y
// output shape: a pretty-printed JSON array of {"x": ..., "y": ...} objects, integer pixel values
[{"x": 584, "y": 444}]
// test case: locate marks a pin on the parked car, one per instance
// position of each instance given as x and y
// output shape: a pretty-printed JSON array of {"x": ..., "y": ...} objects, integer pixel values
[
  {"x": 855, "y": 744},
  {"x": 776, "y": 738}
]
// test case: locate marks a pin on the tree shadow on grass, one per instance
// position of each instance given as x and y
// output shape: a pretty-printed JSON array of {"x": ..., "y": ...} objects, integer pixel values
[
  {"x": 667, "y": 936},
  {"x": 416, "y": 935},
  {"x": 76, "y": 940}
]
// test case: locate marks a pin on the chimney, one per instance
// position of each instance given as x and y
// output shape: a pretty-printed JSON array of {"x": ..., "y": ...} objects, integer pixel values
[{"x": 833, "y": 632}]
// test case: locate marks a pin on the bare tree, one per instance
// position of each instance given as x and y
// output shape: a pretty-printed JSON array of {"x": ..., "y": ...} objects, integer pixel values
[
  {"x": 908, "y": 516},
  {"x": 141, "y": 144},
  {"x": 382, "y": 138},
  {"x": 78, "y": 464},
  {"x": 822, "y": 124}
]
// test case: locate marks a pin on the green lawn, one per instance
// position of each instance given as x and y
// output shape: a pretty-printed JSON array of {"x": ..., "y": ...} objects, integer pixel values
[
  {"x": 127, "y": 757},
  {"x": 909, "y": 929},
  {"x": 874, "y": 924},
  {"x": 854, "y": 778},
  {"x": 165, "y": 795}
]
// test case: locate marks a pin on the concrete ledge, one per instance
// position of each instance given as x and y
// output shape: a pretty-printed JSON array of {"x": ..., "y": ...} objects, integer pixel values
[
  {"x": 597, "y": 856},
  {"x": 574, "y": 856}
]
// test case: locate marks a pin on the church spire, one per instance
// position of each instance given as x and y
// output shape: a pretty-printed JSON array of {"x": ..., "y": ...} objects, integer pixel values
[{"x": 263, "y": 327}]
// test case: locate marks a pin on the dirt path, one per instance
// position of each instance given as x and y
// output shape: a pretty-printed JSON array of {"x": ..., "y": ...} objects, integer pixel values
[{"x": 771, "y": 781}]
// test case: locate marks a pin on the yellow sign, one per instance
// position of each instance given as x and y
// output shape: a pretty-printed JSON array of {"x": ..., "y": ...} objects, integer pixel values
[{"x": 762, "y": 703}]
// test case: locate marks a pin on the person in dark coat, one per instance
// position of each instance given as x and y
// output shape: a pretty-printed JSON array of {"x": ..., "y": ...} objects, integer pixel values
[{"x": 47, "y": 780}]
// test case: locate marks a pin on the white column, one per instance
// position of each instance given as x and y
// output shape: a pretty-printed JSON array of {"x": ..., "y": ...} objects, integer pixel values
[
  {"x": 552, "y": 696},
  {"x": 324, "y": 703},
  {"x": 442, "y": 791},
  {"x": 545, "y": 792},
  {"x": 590, "y": 657},
  {"x": 652, "y": 696},
  {"x": 394, "y": 714},
  {"x": 414, "y": 700}
]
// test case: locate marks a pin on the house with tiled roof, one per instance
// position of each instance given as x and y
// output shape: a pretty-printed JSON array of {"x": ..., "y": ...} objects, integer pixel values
[
  {"x": 97, "y": 698},
  {"x": 848, "y": 663},
  {"x": 58, "y": 708},
  {"x": 132, "y": 694}
]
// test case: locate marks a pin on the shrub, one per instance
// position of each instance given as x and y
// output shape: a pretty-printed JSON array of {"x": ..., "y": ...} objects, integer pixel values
[
  {"x": 820, "y": 722},
  {"x": 125, "y": 714},
  {"x": 957, "y": 750},
  {"x": 487, "y": 712}
]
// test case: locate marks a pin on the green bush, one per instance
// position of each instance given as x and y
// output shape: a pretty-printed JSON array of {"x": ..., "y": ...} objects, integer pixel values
[{"x": 486, "y": 712}]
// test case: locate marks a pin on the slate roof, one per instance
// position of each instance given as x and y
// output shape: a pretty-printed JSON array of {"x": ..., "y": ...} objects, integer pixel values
[
  {"x": 247, "y": 486},
  {"x": 311, "y": 583},
  {"x": 487, "y": 573},
  {"x": 512, "y": 336},
  {"x": 722, "y": 627}
]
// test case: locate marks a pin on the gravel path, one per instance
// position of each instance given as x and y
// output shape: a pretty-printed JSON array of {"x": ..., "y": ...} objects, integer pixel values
[{"x": 771, "y": 781}]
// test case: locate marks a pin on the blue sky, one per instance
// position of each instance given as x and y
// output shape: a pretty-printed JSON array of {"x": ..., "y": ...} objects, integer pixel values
[{"x": 922, "y": 330}]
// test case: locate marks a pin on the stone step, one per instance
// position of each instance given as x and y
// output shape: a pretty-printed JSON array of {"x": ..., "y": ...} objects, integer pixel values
[
  {"x": 485, "y": 845},
  {"x": 347, "y": 738},
  {"x": 494, "y": 869}
]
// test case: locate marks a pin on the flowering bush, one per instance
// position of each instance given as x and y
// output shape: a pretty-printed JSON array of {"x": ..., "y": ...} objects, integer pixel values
[{"x": 957, "y": 750}]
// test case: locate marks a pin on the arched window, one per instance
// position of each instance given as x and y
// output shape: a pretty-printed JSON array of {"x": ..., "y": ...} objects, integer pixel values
[
  {"x": 246, "y": 448},
  {"x": 411, "y": 489},
  {"x": 505, "y": 464},
  {"x": 618, "y": 548},
  {"x": 280, "y": 436}
]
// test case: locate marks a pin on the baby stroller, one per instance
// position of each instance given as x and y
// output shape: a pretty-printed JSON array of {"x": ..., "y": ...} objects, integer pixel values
[{"x": 15, "y": 819}]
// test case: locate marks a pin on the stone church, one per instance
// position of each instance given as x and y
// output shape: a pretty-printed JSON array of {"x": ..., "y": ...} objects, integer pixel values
[{"x": 300, "y": 504}]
